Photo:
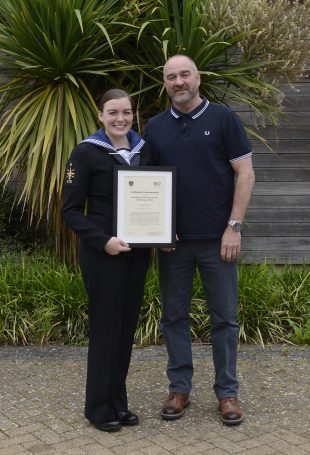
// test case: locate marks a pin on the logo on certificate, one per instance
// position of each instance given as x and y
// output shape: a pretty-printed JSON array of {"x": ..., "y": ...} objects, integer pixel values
[{"x": 131, "y": 183}]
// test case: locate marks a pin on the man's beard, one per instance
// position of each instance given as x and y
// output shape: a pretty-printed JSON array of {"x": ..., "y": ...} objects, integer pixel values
[{"x": 183, "y": 97}]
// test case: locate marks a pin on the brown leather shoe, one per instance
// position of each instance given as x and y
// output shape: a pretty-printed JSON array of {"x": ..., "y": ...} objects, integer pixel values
[
  {"x": 231, "y": 413},
  {"x": 174, "y": 406}
]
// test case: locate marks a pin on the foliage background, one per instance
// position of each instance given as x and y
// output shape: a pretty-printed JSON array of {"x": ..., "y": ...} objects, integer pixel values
[
  {"x": 42, "y": 300},
  {"x": 58, "y": 57}
]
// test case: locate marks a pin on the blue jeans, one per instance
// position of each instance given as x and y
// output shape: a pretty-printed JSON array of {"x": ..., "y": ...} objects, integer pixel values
[{"x": 220, "y": 281}]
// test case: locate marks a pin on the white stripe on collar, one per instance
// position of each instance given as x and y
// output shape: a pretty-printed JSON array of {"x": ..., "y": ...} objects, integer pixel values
[
  {"x": 101, "y": 143},
  {"x": 138, "y": 147},
  {"x": 193, "y": 116},
  {"x": 109, "y": 146},
  {"x": 201, "y": 110}
]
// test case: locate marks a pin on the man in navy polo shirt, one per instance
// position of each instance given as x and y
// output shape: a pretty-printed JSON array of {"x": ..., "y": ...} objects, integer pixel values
[{"x": 209, "y": 147}]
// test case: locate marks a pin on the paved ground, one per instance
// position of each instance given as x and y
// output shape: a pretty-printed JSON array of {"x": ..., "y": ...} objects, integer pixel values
[{"x": 42, "y": 395}]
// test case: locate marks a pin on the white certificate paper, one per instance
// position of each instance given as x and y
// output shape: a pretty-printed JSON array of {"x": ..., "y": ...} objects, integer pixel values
[{"x": 144, "y": 205}]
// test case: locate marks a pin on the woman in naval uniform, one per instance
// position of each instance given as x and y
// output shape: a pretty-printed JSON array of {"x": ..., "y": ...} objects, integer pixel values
[{"x": 113, "y": 273}]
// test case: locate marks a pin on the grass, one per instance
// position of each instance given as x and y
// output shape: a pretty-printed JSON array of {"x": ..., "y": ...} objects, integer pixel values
[
  {"x": 272, "y": 301},
  {"x": 43, "y": 301}
]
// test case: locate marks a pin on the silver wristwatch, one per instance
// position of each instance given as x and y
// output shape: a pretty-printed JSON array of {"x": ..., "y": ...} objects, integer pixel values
[{"x": 235, "y": 225}]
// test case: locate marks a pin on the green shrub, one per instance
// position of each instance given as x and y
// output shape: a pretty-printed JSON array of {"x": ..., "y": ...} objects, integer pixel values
[
  {"x": 44, "y": 301},
  {"x": 272, "y": 300},
  {"x": 301, "y": 335},
  {"x": 15, "y": 232},
  {"x": 41, "y": 301}
]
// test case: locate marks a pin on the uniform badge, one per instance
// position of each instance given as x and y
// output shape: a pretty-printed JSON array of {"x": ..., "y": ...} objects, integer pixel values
[{"x": 70, "y": 174}]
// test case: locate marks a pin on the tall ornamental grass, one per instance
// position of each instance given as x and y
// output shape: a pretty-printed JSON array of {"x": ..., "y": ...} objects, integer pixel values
[
  {"x": 41, "y": 301},
  {"x": 44, "y": 301},
  {"x": 57, "y": 57}
]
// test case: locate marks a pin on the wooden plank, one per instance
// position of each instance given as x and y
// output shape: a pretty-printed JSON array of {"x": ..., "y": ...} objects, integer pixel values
[
  {"x": 282, "y": 175},
  {"x": 299, "y": 88},
  {"x": 272, "y": 244},
  {"x": 287, "y": 132},
  {"x": 277, "y": 257},
  {"x": 291, "y": 145},
  {"x": 297, "y": 103},
  {"x": 277, "y": 224},
  {"x": 282, "y": 215},
  {"x": 296, "y": 160},
  {"x": 288, "y": 118},
  {"x": 264, "y": 229},
  {"x": 282, "y": 189},
  {"x": 292, "y": 202},
  {"x": 239, "y": 108},
  {"x": 296, "y": 96},
  {"x": 291, "y": 103},
  {"x": 291, "y": 117}
]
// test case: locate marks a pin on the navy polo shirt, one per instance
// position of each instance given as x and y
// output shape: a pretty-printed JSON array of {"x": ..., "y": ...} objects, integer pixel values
[{"x": 202, "y": 144}]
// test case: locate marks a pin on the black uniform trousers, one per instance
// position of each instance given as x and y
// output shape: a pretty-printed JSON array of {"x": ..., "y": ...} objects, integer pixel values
[{"x": 115, "y": 286}]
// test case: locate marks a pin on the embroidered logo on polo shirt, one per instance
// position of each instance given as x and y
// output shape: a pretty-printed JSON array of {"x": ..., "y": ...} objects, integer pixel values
[{"x": 207, "y": 133}]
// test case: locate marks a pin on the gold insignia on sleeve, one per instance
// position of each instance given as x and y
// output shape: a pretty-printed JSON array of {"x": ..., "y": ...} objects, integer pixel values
[{"x": 70, "y": 174}]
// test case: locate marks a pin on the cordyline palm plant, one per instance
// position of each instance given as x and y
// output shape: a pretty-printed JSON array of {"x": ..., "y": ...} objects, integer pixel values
[
  {"x": 52, "y": 56},
  {"x": 56, "y": 56},
  {"x": 181, "y": 26}
]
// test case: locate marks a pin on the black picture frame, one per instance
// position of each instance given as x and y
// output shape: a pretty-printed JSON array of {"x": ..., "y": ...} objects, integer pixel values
[{"x": 144, "y": 205}]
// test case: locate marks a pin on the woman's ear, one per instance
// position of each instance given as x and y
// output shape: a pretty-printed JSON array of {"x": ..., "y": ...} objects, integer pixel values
[{"x": 100, "y": 116}]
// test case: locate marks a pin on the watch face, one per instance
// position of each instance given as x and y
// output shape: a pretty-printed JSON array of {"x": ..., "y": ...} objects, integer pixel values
[{"x": 236, "y": 226}]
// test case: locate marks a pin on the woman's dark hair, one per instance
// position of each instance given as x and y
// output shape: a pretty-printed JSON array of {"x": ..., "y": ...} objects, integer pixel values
[{"x": 113, "y": 94}]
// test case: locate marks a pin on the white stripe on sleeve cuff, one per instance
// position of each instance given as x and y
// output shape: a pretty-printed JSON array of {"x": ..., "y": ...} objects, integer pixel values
[{"x": 240, "y": 157}]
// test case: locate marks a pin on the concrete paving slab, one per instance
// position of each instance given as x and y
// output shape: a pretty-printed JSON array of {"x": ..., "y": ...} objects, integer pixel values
[{"x": 42, "y": 399}]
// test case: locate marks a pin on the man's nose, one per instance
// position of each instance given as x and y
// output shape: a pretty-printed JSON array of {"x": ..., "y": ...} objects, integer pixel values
[{"x": 178, "y": 80}]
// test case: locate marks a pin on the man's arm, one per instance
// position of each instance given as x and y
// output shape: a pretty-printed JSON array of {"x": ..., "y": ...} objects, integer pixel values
[{"x": 231, "y": 241}]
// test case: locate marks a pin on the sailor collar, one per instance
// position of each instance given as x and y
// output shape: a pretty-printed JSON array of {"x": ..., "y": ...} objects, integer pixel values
[
  {"x": 101, "y": 139},
  {"x": 193, "y": 114}
]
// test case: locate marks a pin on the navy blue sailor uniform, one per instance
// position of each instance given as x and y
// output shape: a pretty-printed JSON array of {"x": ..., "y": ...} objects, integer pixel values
[{"x": 114, "y": 284}]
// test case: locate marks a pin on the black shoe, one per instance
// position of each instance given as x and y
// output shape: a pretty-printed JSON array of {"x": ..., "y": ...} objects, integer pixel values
[
  {"x": 128, "y": 418},
  {"x": 114, "y": 425}
]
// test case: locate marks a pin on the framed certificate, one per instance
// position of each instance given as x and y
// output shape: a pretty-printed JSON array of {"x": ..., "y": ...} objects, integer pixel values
[{"x": 144, "y": 205}]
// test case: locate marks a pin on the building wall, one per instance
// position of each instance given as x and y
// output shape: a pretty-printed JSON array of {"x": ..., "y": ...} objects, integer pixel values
[{"x": 277, "y": 224}]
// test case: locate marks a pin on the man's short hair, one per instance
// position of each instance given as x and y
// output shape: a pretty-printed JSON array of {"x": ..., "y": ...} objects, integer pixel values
[{"x": 181, "y": 55}]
